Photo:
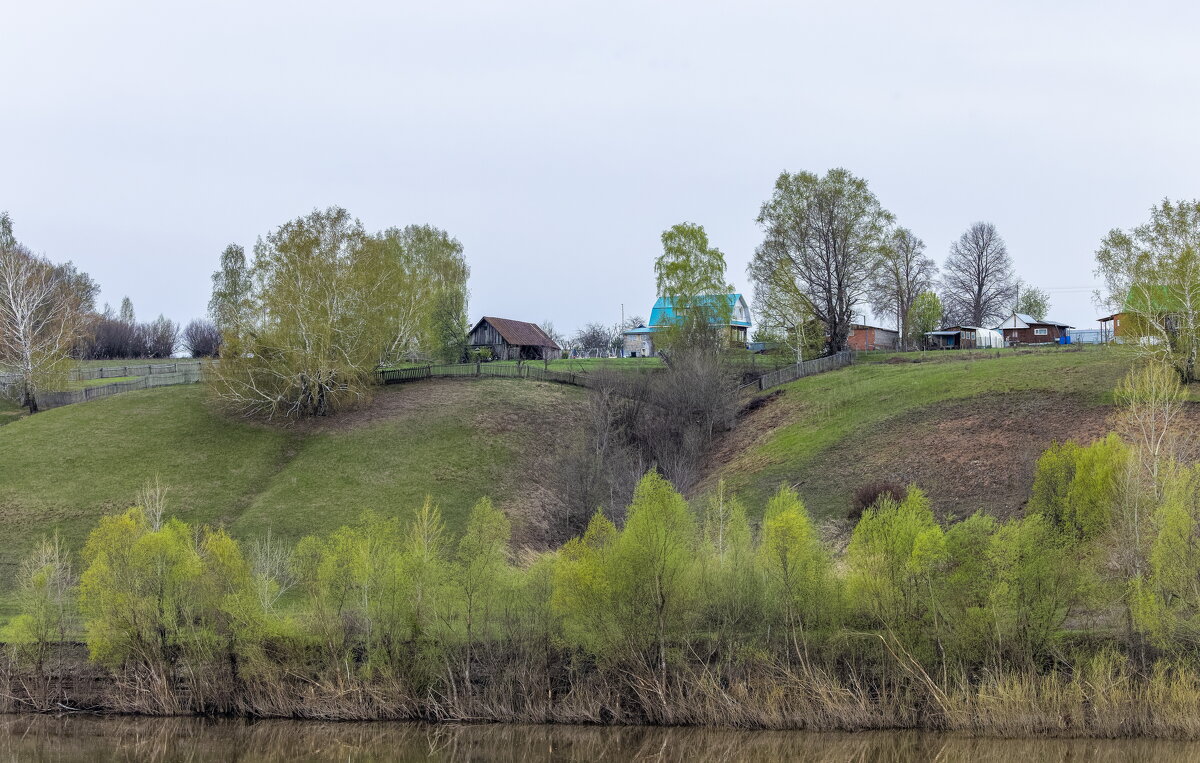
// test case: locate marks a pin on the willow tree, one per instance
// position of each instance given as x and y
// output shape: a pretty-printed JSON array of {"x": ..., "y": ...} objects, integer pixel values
[
  {"x": 319, "y": 337},
  {"x": 324, "y": 304},
  {"x": 822, "y": 246},
  {"x": 1152, "y": 277}
]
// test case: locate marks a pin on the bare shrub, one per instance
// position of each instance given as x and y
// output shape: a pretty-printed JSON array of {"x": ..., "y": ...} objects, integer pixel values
[
  {"x": 870, "y": 494},
  {"x": 665, "y": 420}
]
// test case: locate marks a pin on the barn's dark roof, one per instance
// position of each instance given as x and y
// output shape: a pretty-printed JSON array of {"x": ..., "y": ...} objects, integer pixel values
[{"x": 519, "y": 332}]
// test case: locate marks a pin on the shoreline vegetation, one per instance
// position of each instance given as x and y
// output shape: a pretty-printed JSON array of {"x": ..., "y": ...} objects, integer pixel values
[{"x": 1077, "y": 619}]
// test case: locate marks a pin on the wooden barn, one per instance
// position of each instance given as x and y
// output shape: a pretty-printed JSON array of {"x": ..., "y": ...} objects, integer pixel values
[{"x": 512, "y": 340}]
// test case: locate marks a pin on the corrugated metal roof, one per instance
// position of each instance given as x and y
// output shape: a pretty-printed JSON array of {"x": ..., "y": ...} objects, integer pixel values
[
  {"x": 1028, "y": 320},
  {"x": 663, "y": 312},
  {"x": 519, "y": 332}
]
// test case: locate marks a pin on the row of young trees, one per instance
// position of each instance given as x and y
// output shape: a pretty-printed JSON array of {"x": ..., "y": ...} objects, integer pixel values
[
  {"x": 1109, "y": 541},
  {"x": 324, "y": 303},
  {"x": 119, "y": 335},
  {"x": 830, "y": 248}
]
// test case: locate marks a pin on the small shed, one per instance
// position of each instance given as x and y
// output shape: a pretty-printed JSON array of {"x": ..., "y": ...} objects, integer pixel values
[
  {"x": 964, "y": 338},
  {"x": 512, "y": 340},
  {"x": 863, "y": 337}
]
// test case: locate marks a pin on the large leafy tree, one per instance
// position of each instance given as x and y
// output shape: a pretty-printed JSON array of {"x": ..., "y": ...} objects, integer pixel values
[
  {"x": 327, "y": 304},
  {"x": 1152, "y": 275},
  {"x": 822, "y": 246},
  {"x": 978, "y": 286},
  {"x": 422, "y": 292},
  {"x": 319, "y": 335},
  {"x": 904, "y": 273},
  {"x": 689, "y": 266},
  {"x": 1032, "y": 301}
]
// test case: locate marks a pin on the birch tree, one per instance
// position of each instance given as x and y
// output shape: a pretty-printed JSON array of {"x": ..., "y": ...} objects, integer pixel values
[
  {"x": 422, "y": 292},
  {"x": 43, "y": 316},
  {"x": 1152, "y": 276},
  {"x": 232, "y": 294},
  {"x": 822, "y": 245}
]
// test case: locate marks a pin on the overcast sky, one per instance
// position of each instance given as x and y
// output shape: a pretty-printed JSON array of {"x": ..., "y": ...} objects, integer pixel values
[{"x": 557, "y": 140}]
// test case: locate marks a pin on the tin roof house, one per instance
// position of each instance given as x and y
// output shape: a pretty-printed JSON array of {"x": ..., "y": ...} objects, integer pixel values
[
  {"x": 639, "y": 341},
  {"x": 1019, "y": 328}
]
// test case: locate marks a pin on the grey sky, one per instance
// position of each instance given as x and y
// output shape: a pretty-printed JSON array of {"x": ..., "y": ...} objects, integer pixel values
[{"x": 557, "y": 140}]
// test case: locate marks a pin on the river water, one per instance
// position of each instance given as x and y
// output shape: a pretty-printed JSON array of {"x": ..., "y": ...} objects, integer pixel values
[{"x": 87, "y": 738}]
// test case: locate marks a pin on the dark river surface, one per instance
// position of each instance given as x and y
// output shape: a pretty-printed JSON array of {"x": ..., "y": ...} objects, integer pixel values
[{"x": 86, "y": 738}]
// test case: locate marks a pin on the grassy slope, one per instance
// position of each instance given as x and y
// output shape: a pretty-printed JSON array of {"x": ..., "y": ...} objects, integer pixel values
[
  {"x": 810, "y": 429},
  {"x": 66, "y": 467}
]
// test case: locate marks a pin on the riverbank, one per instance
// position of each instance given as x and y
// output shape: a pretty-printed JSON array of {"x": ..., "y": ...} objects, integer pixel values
[{"x": 1102, "y": 699}]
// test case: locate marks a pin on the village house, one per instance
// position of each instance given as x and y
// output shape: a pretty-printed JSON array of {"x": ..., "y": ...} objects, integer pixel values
[
  {"x": 863, "y": 337},
  {"x": 1025, "y": 329},
  {"x": 512, "y": 340},
  {"x": 638, "y": 342},
  {"x": 1148, "y": 310}
]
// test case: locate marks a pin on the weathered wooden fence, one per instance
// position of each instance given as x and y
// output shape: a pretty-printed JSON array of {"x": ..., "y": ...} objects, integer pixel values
[
  {"x": 142, "y": 369},
  {"x": 445, "y": 370},
  {"x": 799, "y": 371},
  {"x": 188, "y": 373}
]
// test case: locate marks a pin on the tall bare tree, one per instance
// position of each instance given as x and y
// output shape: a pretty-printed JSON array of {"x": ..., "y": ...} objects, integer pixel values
[
  {"x": 201, "y": 338},
  {"x": 594, "y": 338},
  {"x": 43, "y": 316},
  {"x": 824, "y": 237},
  {"x": 978, "y": 286},
  {"x": 904, "y": 273}
]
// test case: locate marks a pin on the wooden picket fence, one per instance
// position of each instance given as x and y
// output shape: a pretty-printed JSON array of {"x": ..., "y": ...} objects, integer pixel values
[{"x": 798, "y": 371}]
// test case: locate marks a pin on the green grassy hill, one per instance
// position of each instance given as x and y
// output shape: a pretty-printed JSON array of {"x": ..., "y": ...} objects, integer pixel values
[
  {"x": 453, "y": 440},
  {"x": 966, "y": 428}
]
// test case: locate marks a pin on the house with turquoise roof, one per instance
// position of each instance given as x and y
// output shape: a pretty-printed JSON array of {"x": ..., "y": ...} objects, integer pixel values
[{"x": 639, "y": 341}]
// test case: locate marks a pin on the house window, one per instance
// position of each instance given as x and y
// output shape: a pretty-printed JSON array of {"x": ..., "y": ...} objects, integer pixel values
[{"x": 1041, "y": 332}]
